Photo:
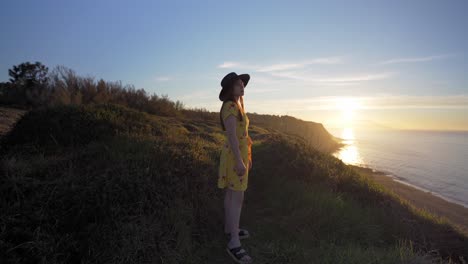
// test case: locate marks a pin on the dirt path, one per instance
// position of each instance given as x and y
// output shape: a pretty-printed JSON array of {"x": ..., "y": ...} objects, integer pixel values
[{"x": 8, "y": 117}]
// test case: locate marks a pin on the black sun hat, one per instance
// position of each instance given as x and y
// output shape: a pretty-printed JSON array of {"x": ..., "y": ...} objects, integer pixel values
[{"x": 229, "y": 79}]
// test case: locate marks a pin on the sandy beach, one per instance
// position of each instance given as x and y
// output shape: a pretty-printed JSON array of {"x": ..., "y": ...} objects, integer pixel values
[{"x": 455, "y": 213}]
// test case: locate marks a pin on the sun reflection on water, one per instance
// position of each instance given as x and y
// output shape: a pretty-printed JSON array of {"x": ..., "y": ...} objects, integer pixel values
[{"x": 349, "y": 153}]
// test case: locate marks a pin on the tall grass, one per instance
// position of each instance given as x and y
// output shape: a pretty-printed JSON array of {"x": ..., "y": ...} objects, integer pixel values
[{"x": 108, "y": 184}]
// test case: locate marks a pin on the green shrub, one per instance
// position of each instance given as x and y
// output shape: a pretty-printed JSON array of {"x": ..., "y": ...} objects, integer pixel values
[{"x": 73, "y": 125}]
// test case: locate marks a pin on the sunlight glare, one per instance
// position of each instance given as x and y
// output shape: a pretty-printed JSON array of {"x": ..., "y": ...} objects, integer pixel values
[
  {"x": 349, "y": 154},
  {"x": 348, "y": 107}
]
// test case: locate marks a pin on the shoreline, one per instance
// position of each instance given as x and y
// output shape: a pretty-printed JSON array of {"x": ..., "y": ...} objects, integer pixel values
[
  {"x": 455, "y": 213},
  {"x": 403, "y": 181}
]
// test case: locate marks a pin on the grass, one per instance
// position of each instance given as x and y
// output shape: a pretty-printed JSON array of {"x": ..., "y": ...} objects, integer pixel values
[{"x": 143, "y": 190}]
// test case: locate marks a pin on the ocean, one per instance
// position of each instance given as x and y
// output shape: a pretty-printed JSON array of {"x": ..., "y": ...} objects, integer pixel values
[{"x": 432, "y": 161}]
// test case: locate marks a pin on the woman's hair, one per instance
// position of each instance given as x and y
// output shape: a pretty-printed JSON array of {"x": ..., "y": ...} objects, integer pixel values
[{"x": 230, "y": 97}]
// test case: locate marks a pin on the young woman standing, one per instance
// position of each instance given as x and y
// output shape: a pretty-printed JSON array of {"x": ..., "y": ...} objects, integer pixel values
[{"x": 235, "y": 160}]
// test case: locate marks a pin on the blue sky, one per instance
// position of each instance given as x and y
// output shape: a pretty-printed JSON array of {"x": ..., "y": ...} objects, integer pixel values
[{"x": 398, "y": 64}]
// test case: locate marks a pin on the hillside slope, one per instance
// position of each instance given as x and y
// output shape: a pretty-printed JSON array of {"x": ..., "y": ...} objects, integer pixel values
[{"x": 108, "y": 184}]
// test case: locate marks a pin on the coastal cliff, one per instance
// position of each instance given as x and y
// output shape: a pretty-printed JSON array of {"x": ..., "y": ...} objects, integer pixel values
[{"x": 314, "y": 133}]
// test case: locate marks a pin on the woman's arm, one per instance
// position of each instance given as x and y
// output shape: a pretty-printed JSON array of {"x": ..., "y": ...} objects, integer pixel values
[
  {"x": 249, "y": 151},
  {"x": 249, "y": 143},
  {"x": 230, "y": 125}
]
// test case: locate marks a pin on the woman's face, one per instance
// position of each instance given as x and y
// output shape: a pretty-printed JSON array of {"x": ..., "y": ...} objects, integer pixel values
[{"x": 238, "y": 88}]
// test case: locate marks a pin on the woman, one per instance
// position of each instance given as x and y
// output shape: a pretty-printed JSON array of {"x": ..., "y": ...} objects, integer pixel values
[{"x": 234, "y": 159}]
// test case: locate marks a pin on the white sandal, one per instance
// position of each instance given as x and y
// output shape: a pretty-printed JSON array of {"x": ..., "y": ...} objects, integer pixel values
[{"x": 237, "y": 253}]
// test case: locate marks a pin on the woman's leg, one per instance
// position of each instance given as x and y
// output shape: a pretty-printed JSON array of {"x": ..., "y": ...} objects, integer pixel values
[
  {"x": 235, "y": 205},
  {"x": 227, "y": 211},
  {"x": 237, "y": 198},
  {"x": 229, "y": 208}
]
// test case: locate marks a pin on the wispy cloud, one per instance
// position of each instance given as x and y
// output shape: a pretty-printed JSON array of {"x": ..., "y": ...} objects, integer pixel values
[
  {"x": 281, "y": 66},
  {"x": 414, "y": 59},
  {"x": 377, "y": 102},
  {"x": 229, "y": 64},
  {"x": 298, "y": 71},
  {"x": 298, "y": 65},
  {"x": 264, "y": 90},
  {"x": 417, "y": 102},
  {"x": 162, "y": 78},
  {"x": 336, "y": 79}
]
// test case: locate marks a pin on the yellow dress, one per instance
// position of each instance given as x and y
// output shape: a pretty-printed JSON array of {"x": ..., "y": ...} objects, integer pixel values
[{"x": 227, "y": 176}]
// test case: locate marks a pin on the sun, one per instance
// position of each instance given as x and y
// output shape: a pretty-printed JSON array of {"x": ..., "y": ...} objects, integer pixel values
[{"x": 348, "y": 107}]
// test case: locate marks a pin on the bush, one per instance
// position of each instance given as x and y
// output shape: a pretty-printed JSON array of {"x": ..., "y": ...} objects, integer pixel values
[{"x": 73, "y": 125}]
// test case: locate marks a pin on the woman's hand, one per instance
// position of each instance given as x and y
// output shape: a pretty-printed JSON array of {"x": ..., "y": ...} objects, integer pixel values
[{"x": 240, "y": 168}]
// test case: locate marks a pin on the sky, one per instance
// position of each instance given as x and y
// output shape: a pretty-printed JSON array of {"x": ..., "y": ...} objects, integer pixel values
[{"x": 360, "y": 64}]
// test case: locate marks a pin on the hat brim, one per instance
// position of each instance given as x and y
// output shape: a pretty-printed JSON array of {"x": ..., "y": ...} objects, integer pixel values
[
  {"x": 222, "y": 94},
  {"x": 245, "y": 78}
]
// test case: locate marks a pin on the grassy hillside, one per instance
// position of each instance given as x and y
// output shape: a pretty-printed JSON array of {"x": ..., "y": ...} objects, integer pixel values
[{"x": 108, "y": 184}]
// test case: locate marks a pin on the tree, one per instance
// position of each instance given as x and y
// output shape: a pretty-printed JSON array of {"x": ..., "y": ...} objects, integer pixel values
[
  {"x": 29, "y": 82},
  {"x": 28, "y": 74}
]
